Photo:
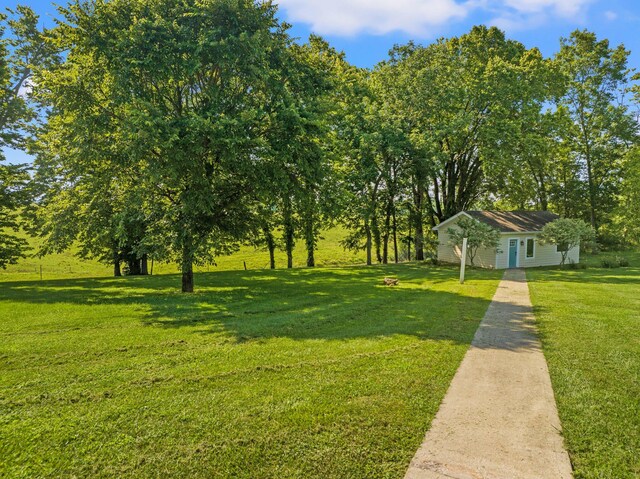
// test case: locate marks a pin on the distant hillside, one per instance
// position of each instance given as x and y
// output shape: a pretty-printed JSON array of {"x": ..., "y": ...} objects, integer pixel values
[{"x": 67, "y": 265}]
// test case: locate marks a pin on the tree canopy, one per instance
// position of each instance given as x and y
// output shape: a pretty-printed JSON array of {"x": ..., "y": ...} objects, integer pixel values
[
  {"x": 23, "y": 48},
  {"x": 177, "y": 131}
]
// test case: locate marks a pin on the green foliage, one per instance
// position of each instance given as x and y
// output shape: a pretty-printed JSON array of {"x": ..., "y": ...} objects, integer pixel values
[
  {"x": 467, "y": 99},
  {"x": 567, "y": 234},
  {"x": 615, "y": 262},
  {"x": 260, "y": 374},
  {"x": 626, "y": 222},
  {"x": 478, "y": 234},
  {"x": 598, "y": 126},
  {"x": 22, "y": 49},
  {"x": 232, "y": 133},
  {"x": 13, "y": 179},
  {"x": 190, "y": 120}
]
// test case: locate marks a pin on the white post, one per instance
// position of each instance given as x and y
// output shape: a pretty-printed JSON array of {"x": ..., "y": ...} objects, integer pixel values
[{"x": 463, "y": 259}]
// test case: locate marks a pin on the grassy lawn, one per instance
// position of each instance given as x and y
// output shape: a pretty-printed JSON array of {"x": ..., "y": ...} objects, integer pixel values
[
  {"x": 590, "y": 326},
  {"x": 302, "y": 373},
  {"x": 66, "y": 265}
]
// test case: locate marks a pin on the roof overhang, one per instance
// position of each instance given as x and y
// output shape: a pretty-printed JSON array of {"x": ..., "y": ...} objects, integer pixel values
[
  {"x": 455, "y": 217},
  {"x": 463, "y": 213}
]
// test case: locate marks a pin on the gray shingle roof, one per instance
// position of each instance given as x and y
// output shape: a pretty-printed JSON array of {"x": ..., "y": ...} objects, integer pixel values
[{"x": 514, "y": 221}]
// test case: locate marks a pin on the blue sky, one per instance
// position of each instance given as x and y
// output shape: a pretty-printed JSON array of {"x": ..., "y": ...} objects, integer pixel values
[{"x": 366, "y": 29}]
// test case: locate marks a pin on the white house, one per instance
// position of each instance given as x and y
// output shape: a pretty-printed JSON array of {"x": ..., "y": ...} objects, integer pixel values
[{"x": 519, "y": 244}]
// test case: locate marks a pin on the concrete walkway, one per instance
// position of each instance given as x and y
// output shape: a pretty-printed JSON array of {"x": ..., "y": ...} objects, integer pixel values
[{"x": 499, "y": 417}]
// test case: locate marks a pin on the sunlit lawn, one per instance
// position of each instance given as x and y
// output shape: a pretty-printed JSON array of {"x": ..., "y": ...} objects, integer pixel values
[
  {"x": 304, "y": 373},
  {"x": 590, "y": 325},
  {"x": 330, "y": 252}
]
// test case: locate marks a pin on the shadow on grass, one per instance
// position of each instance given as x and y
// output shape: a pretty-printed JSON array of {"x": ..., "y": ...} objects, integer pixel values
[{"x": 301, "y": 304}]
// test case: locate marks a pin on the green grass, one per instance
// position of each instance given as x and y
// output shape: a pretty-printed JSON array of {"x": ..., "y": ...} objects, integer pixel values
[
  {"x": 302, "y": 373},
  {"x": 590, "y": 326},
  {"x": 67, "y": 265}
]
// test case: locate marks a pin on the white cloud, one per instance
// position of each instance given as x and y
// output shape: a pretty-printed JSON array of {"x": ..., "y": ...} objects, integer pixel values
[
  {"x": 611, "y": 16},
  {"x": 511, "y": 15},
  {"x": 561, "y": 8},
  {"x": 424, "y": 18},
  {"x": 351, "y": 17}
]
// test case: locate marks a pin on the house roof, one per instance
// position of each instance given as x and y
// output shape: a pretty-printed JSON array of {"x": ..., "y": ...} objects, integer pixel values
[{"x": 510, "y": 221}]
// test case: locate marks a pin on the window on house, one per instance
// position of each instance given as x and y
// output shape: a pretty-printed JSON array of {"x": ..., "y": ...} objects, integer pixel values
[
  {"x": 531, "y": 247},
  {"x": 562, "y": 248}
]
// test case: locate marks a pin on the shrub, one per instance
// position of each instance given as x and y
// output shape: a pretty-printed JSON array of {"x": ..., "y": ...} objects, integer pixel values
[
  {"x": 622, "y": 262},
  {"x": 617, "y": 262}
]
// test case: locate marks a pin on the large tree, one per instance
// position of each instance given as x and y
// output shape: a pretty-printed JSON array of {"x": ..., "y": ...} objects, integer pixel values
[
  {"x": 361, "y": 167},
  {"x": 191, "y": 87},
  {"x": 405, "y": 164},
  {"x": 303, "y": 144},
  {"x": 467, "y": 99},
  {"x": 23, "y": 47},
  {"x": 599, "y": 127},
  {"x": 89, "y": 187}
]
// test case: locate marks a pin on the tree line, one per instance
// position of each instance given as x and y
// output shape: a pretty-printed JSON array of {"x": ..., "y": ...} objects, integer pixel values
[{"x": 177, "y": 131}]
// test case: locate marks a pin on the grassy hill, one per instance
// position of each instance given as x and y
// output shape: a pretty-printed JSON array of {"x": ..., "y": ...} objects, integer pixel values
[{"x": 67, "y": 265}]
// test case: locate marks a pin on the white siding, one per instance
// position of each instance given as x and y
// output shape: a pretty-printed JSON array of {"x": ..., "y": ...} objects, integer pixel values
[
  {"x": 544, "y": 255},
  {"x": 485, "y": 258}
]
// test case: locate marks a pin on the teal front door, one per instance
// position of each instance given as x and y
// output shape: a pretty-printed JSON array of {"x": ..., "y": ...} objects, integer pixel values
[{"x": 513, "y": 253}]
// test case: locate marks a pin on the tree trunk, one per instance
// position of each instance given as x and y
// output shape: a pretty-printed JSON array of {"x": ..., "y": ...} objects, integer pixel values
[
  {"x": 385, "y": 236},
  {"x": 289, "y": 241},
  {"x": 544, "y": 201},
  {"x": 592, "y": 196},
  {"x": 117, "y": 272},
  {"x": 144, "y": 265},
  {"x": 373, "y": 216},
  {"x": 376, "y": 238},
  {"x": 271, "y": 246},
  {"x": 543, "y": 195},
  {"x": 367, "y": 230},
  {"x": 418, "y": 197},
  {"x": 310, "y": 240},
  {"x": 395, "y": 235},
  {"x": 133, "y": 265},
  {"x": 419, "y": 237},
  {"x": 385, "y": 249},
  {"x": 187, "y": 264},
  {"x": 187, "y": 278}
]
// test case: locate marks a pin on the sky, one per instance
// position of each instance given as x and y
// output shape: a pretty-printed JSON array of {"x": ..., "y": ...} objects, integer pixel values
[{"x": 366, "y": 29}]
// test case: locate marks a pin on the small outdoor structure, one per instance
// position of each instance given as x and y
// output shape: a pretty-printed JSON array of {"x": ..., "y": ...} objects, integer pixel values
[{"x": 520, "y": 246}]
